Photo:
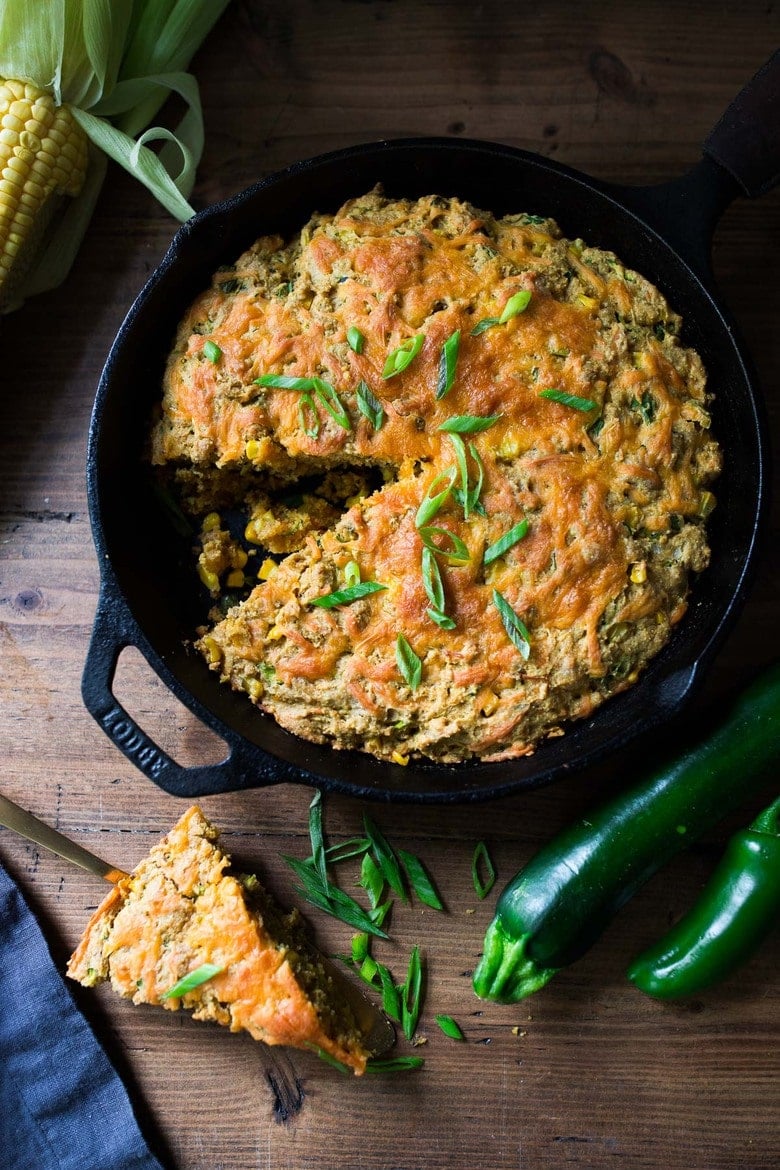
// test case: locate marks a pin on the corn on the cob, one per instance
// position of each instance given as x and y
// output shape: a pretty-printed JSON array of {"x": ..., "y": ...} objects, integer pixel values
[{"x": 43, "y": 157}]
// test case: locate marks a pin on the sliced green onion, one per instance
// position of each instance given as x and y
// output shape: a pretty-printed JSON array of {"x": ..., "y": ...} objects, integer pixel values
[
  {"x": 481, "y": 861},
  {"x": 469, "y": 424},
  {"x": 447, "y": 364},
  {"x": 345, "y": 596},
  {"x": 398, "y": 360},
  {"x": 371, "y": 879},
  {"x": 384, "y": 856},
  {"x": 319, "y": 860},
  {"x": 411, "y": 996},
  {"x": 331, "y": 899},
  {"x": 187, "y": 983},
  {"x": 395, "y": 1064},
  {"x": 450, "y": 1027},
  {"x": 307, "y": 404},
  {"x": 332, "y": 403},
  {"x": 420, "y": 881},
  {"x": 460, "y": 459},
  {"x": 369, "y": 969},
  {"x": 432, "y": 501},
  {"x": 485, "y": 323},
  {"x": 355, "y": 339},
  {"x": 212, "y": 351},
  {"x": 409, "y": 664},
  {"x": 352, "y": 573},
  {"x": 469, "y": 501},
  {"x": 459, "y": 551},
  {"x": 360, "y": 945},
  {"x": 432, "y": 582},
  {"x": 515, "y": 628},
  {"x": 283, "y": 382},
  {"x": 369, "y": 406},
  {"x": 516, "y": 304},
  {"x": 326, "y": 1058},
  {"x": 505, "y": 542},
  {"x": 391, "y": 995},
  {"x": 441, "y": 619},
  {"x": 572, "y": 400}
]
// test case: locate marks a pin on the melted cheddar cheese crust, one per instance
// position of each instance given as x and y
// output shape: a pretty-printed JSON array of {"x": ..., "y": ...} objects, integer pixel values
[
  {"x": 529, "y": 388},
  {"x": 179, "y": 910}
]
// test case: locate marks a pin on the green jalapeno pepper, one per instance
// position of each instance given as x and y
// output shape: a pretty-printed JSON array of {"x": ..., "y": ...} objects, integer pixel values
[
  {"x": 558, "y": 905},
  {"x": 740, "y": 905}
]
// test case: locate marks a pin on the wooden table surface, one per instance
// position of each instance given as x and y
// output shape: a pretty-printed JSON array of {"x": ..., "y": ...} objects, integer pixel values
[{"x": 588, "y": 1072}]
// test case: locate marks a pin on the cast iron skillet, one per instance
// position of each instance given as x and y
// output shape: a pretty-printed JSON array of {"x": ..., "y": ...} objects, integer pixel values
[{"x": 147, "y": 596}]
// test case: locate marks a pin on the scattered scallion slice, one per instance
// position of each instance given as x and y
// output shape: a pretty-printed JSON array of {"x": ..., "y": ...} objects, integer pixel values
[
  {"x": 399, "y": 359},
  {"x": 515, "y": 628},
  {"x": 564, "y": 399},
  {"x": 326, "y": 1058},
  {"x": 447, "y": 364},
  {"x": 462, "y": 462},
  {"x": 212, "y": 351},
  {"x": 515, "y": 305},
  {"x": 395, "y": 1064},
  {"x": 283, "y": 382},
  {"x": 459, "y": 552},
  {"x": 450, "y": 1027},
  {"x": 352, "y": 574},
  {"x": 441, "y": 619},
  {"x": 332, "y": 403},
  {"x": 409, "y": 664},
  {"x": 345, "y": 596},
  {"x": 481, "y": 326},
  {"x": 384, "y": 856},
  {"x": 482, "y": 862},
  {"x": 360, "y": 944},
  {"x": 355, "y": 339},
  {"x": 310, "y": 428},
  {"x": 432, "y": 501},
  {"x": 328, "y": 897},
  {"x": 432, "y": 582},
  {"x": 411, "y": 996},
  {"x": 469, "y": 424},
  {"x": 391, "y": 995},
  {"x": 420, "y": 881},
  {"x": 194, "y": 979},
  {"x": 316, "y": 838},
  {"x": 515, "y": 534},
  {"x": 369, "y": 405},
  {"x": 371, "y": 879}
]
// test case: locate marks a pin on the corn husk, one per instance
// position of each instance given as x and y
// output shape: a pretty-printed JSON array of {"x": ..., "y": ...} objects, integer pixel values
[{"x": 115, "y": 63}]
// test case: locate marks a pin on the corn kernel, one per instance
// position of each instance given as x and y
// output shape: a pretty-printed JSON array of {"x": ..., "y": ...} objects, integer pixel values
[
  {"x": 266, "y": 569},
  {"x": 235, "y": 580},
  {"x": 252, "y": 449},
  {"x": 213, "y": 650},
  {"x": 639, "y": 572},
  {"x": 211, "y": 522},
  {"x": 209, "y": 579},
  {"x": 400, "y": 758},
  {"x": 509, "y": 447},
  {"x": 275, "y": 633},
  {"x": 254, "y": 688},
  {"x": 238, "y": 558},
  {"x": 587, "y": 302},
  {"x": 489, "y": 703}
]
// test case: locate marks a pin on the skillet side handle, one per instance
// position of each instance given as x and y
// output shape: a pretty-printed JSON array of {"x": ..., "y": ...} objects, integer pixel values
[
  {"x": 109, "y": 639},
  {"x": 746, "y": 140}
]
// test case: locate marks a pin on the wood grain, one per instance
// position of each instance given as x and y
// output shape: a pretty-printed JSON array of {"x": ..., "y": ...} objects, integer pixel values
[{"x": 587, "y": 1073}]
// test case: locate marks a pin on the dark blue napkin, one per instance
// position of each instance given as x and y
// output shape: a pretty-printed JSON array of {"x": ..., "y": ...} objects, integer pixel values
[{"x": 62, "y": 1105}]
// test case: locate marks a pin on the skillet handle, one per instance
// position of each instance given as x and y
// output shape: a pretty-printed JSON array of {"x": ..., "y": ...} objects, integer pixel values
[
  {"x": 110, "y": 636},
  {"x": 746, "y": 140}
]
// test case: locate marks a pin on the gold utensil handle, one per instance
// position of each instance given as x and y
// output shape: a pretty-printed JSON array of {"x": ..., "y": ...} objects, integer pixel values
[{"x": 16, "y": 818}]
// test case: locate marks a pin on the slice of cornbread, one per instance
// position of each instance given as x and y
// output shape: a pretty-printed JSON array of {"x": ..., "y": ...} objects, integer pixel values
[{"x": 179, "y": 911}]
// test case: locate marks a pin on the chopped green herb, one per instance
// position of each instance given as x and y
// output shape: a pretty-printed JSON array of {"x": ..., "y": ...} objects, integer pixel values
[
  {"x": 459, "y": 551},
  {"x": 352, "y": 573},
  {"x": 395, "y": 1064},
  {"x": 481, "y": 862},
  {"x": 595, "y": 428},
  {"x": 411, "y": 994},
  {"x": 328, "y": 897},
  {"x": 409, "y": 664},
  {"x": 384, "y": 856},
  {"x": 305, "y": 405},
  {"x": 515, "y": 628},
  {"x": 331, "y": 1060},
  {"x": 369, "y": 406},
  {"x": 420, "y": 881},
  {"x": 485, "y": 323},
  {"x": 194, "y": 979},
  {"x": 355, "y": 339},
  {"x": 360, "y": 944},
  {"x": 447, "y": 364},
  {"x": 516, "y": 304},
  {"x": 432, "y": 501},
  {"x": 345, "y": 596},
  {"x": 441, "y": 619},
  {"x": 391, "y": 995},
  {"x": 332, "y": 403},
  {"x": 460, "y": 458},
  {"x": 371, "y": 879},
  {"x": 283, "y": 382},
  {"x": 572, "y": 400},
  {"x": 369, "y": 969},
  {"x": 399, "y": 359},
  {"x": 316, "y": 838},
  {"x": 469, "y": 424},
  {"x": 450, "y": 1027},
  {"x": 505, "y": 542},
  {"x": 432, "y": 582},
  {"x": 212, "y": 351}
]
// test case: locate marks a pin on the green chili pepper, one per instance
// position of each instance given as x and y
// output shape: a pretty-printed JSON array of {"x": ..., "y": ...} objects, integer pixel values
[
  {"x": 559, "y": 904},
  {"x": 736, "y": 911}
]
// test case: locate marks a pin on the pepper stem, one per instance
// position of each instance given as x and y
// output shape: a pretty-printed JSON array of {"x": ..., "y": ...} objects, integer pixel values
[
  {"x": 505, "y": 973},
  {"x": 768, "y": 821}
]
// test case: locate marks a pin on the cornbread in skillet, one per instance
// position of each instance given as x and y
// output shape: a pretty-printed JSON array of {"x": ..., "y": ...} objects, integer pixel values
[
  {"x": 181, "y": 909},
  {"x": 536, "y": 459}
]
